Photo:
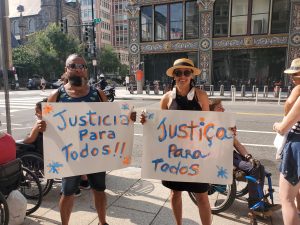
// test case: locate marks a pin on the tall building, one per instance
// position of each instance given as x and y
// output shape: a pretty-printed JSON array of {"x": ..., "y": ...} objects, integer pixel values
[
  {"x": 237, "y": 42},
  {"x": 27, "y": 17},
  {"x": 120, "y": 29}
]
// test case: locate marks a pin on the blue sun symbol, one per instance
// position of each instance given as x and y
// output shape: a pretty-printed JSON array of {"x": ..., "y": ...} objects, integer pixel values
[
  {"x": 125, "y": 106},
  {"x": 150, "y": 116},
  {"x": 54, "y": 167},
  {"x": 222, "y": 172}
]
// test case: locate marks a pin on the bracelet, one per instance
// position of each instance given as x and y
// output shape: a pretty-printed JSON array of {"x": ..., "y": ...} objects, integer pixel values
[{"x": 248, "y": 156}]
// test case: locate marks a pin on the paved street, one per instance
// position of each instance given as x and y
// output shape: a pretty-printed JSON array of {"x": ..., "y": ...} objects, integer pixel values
[{"x": 132, "y": 200}]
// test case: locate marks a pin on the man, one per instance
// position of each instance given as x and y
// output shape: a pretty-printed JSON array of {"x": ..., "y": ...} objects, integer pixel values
[
  {"x": 78, "y": 90},
  {"x": 102, "y": 82}
]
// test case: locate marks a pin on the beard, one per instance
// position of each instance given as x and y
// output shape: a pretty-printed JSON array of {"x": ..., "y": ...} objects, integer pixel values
[{"x": 76, "y": 81}]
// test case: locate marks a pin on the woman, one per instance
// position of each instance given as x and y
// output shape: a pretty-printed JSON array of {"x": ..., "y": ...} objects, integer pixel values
[
  {"x": 289, "y": 185},
  {"x": 185, "y": 96}
]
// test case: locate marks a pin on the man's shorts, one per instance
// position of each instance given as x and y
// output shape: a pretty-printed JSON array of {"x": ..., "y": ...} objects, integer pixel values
[{"x": 71, "y": 184}]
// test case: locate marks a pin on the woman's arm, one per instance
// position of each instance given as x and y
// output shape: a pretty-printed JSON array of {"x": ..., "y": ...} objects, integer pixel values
[
  {"x": 165, "y": 100},
  {"x": 289, "y": 120},
  {"x": 202, "y": 99},
  {"x": 33, "y": 134},
  {"x": 291, "y": 99}
]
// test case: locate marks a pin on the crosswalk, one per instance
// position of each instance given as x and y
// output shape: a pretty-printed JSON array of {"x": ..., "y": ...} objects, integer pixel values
[{"x": 20, "y": 103}]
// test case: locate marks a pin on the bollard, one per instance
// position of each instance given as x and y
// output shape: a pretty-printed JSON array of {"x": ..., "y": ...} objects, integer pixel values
[
  {"x": 266, "y": 91},
  {"x": 231, "y": 89},
  {"x": 211, "y": 90},
  {"x": 221, "y": 90},
  {"x": 256, "y": 95},
  {"x": 148, "y": 89},
  {"x": 233, "y": 93},
  {"x": 289, "y": 89},
  {"x": 243, "y": 91},
  {"x": 279, "y": 95},
  {"x": 276, "y": 91},
  {"x": 201, "y": 87},
  {"x": 164, "y": 88},
  {"x": 253, "y": 90}
]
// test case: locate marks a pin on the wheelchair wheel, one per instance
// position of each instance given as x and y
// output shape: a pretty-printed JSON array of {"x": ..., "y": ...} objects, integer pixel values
[
  {"x": 31, "y": 188},
  {"x": 35, "y": 162},
  {"x": 241, "y": 188},
  {"x": 220, "y": 197},
  {"x": 4, "y": 212}
]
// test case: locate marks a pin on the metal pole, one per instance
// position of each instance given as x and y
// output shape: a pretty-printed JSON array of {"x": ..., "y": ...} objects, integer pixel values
[
  {"x": 94, "y": 38},
  {"x": 5, "y": 56}
]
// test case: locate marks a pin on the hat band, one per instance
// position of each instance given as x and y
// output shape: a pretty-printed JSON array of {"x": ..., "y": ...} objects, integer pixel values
[
  {"x": 294, "y": 68},
  {"x": 183, "y": 64}
]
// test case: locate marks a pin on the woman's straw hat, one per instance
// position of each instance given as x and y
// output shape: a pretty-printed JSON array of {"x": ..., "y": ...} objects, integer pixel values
[
  {"x": 182, "y": 64},
  {"x": 295, "y": 67}
]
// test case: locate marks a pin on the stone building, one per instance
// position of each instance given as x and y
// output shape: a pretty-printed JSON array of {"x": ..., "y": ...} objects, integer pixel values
[
  {"x": 28, "y": 17},
  {"x": 238, "y": 42}
]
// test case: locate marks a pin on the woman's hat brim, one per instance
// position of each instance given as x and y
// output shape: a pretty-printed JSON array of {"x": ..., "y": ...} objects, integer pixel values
[
  {"x": 291, "y": 71},
  {"x": 170, "y": 71}
]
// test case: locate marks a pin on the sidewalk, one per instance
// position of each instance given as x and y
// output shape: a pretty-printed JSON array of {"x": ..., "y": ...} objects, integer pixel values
[{"x": 132, "y": 200}]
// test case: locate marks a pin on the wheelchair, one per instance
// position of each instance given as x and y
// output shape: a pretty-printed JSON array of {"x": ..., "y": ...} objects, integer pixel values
[
  {"x": 13, "y": 176},
  {"x": 221, "y": 197},
  {"x": 32, "y": 159}
]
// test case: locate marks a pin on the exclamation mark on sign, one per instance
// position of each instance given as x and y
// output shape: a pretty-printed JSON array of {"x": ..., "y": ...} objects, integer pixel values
[
  {"x": 117, "y": 148},
  {"x": 123, "y": 148}
]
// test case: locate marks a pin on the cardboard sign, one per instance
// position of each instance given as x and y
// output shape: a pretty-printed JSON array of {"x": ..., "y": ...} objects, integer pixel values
[
  {"x": 189, "y": 146},
  {"x": 83, "y": 138}
]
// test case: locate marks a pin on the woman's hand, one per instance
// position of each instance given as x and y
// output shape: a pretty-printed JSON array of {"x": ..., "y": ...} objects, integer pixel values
[
  {"x": 277, "y": 128},
  {"x": 143, "y": 118}
]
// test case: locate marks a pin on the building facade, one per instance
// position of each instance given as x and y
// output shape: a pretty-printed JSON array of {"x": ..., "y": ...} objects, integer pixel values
[
  {"x": 27, "y": 17},
  {"x": 237, "y": 42}
]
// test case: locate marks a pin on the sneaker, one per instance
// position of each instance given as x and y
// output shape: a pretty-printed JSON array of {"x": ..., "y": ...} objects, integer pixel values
[
  {"x": 77, "y": 193},
  {"x": 84, "y": 184}
]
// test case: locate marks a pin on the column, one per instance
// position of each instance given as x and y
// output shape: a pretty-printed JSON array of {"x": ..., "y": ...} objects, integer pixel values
[
  {"x": 294, "y": 32},
  {"x": 133, "y": 42},
  {"x": 205, "y": 39}
]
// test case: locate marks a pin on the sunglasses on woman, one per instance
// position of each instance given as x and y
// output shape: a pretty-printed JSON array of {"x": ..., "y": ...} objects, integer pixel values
[
  {"x": 77, "y": 66},
  {"x": 179, "y": 73}
]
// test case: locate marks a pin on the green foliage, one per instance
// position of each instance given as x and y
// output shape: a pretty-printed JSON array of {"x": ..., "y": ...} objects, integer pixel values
[
  {"x": 109, "y": 61},
  {"x": 45, "y": 52}
]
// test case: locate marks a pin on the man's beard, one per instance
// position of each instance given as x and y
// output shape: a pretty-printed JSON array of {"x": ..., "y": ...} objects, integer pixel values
[{"x": 76, "y": 81}]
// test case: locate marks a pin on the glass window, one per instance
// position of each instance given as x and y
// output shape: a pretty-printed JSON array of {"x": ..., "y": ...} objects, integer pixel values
[
  {"x": 221, "y": 18},
  {"x": 260, "y": 16},
  {"x": 176, "y": 21},
  {"x": 160, "y": 19},
  {"x": 191, "y": 20},
  {"x": 146, "y": 23},
  {"x": 280, "y": 16},
  {"x": 239, "y": 17}
]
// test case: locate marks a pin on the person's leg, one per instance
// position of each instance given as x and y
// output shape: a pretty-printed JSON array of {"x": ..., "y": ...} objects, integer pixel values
[
  {"x": 176, "y": 204},
  {"x": 69, "y": 187},
  {"x": 97, "y": 182},
  {"x": 204, "y": 208},
  {"x": 297, "y": 201},
  {"x": 287, "y": 194}
]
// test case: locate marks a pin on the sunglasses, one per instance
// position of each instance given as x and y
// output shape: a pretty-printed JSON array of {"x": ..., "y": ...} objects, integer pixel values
[
  {"x": 179, "y": 73},
  {"x": 77, "y": 66}
]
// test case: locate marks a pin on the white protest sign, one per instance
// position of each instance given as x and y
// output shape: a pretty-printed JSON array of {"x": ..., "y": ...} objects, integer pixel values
[
  {"x": 84, "y": 138},
  {"x": 188, "y": 146}
]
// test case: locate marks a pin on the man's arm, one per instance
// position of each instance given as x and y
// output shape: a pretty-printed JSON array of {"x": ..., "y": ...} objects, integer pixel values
[
  {"x": 239, "y": 147},
  {"x": 33, "y": 134}
]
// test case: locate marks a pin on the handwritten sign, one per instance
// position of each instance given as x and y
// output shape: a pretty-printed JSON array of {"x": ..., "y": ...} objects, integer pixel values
[
  {"x": 84, "y": 138},
  {"x": 188, "y": 146}
]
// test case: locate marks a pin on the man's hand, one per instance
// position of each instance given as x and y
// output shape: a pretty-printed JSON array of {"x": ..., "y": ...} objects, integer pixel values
[
  {"x": 143, "y": 118},
  {"x": 41, "y": 124},
  {"x": 133, "y": 116}
]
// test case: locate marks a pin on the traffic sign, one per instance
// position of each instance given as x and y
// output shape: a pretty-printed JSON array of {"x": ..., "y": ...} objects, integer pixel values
[{"x": 97, "y": 20}]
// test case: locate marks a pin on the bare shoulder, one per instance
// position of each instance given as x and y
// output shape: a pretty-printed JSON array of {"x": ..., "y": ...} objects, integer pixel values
[
  {"x": 165, "y": 100},
  {"x": 53, "y": 96},
  {"x": 200, "y": 93},
  {"x": 202, "y": 99}
]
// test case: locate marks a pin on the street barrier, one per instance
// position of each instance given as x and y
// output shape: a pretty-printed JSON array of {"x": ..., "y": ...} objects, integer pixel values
[
  {"x": 243, "y": 91},
  {"x": 231, "y": 89},
  {"x": 253, "y": 90},
  {"x": 211, "y": 90},
  {"x": 279, "y": 95},
  {"x": 256, "y": 95},
  {"x": 221, "y": 90},
  {"x": 266, "y": 91},
  {"x": 233, "y": 93}
]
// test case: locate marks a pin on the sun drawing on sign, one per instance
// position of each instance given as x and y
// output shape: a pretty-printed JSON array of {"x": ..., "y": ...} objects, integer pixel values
[
  {"x": 222, "y": 172},
  {"x": 127, "y": 160},
  {"x": 125, "y": 106},
  {"x": 47, "y": 109},
  {"x": 54, "y": 167},
  {"x": 150, "y": 116}
]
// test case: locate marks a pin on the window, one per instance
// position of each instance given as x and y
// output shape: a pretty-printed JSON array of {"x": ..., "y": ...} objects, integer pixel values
[
  {"x": 221, "y": 18},
  {"x": 260, "y": 16},
  {"x": 160, "y": 23},
  {"x": 191, "y": 20},
  {"x": 176, "y": 21},
  {"x": 31, "y": 26},
  {"x": 146, "y": 23},
  {"x": 239, "y": 17},
  {"x": 280, "y": 16}
]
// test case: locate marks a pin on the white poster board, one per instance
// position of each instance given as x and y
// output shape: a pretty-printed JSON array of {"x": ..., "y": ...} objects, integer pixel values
[
  {"x": 84, "y": 138},
  {"x": 188, "y": 146}
]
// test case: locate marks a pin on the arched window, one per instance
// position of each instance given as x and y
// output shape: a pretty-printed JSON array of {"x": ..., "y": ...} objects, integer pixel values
[
  {"x": 31, "y": 26},
  {"x": 16, "y": 27}
]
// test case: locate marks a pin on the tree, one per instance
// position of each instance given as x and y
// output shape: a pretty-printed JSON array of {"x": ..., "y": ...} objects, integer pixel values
[
  {"x": 46, "y": 51},
  {"x": 109, "y": 61}
]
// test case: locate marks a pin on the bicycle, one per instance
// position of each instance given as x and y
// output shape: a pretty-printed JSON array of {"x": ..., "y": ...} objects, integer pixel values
[{"x": 13, "y": 176}]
